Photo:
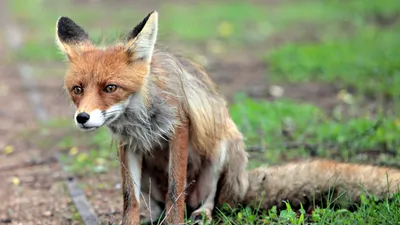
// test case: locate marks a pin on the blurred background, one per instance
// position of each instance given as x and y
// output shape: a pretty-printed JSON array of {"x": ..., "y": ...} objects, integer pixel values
[{"x": 304, "y": 78}]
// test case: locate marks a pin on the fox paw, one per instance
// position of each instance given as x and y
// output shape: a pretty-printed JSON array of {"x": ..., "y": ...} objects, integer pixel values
[{"x": 201, "y": 216}]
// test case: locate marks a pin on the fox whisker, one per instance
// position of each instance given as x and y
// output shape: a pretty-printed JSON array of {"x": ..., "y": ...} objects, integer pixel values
[{"x": 111, "y": 112}]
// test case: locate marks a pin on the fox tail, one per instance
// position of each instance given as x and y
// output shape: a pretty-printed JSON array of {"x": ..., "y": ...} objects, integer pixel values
[{"x": 318, "y": 182}]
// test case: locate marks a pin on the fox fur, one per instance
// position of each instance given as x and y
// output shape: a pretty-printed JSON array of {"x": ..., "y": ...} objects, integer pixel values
[
  {"x": 318, "y": 182},
  {"x": 178, "y": 145}
]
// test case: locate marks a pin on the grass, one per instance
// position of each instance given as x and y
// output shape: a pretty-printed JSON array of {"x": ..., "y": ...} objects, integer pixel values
[
  {"x": 353, "y": 46},
  {"x": 369, "y": 212},
  {"x": 368, "y": 56},
  {"x": 264, "y": 122},
  {"x": 232, "y": 24},
  {"x": 225, "y": 21},
  {"x": 366, "y": 53},
  {"x": 38, "y": 19}
]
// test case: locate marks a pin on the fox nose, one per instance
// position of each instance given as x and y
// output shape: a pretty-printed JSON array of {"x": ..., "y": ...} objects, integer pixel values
[{"x": 82, "y": 117}]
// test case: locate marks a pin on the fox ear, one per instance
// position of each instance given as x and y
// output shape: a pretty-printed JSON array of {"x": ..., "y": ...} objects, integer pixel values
[
  {"x": 142, "y": 38},
  {"x": 70, "y": 37}
]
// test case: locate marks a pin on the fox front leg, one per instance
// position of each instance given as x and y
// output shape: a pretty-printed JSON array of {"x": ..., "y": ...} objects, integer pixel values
[
  {"x": 178, "y": 159},
  {"x": 131, "y": 166}
]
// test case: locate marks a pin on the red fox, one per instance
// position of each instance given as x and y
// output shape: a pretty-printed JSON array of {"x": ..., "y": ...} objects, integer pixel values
[{"x": 178, "y": 145}]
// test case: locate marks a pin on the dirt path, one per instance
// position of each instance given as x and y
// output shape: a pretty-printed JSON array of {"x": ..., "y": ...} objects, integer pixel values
[
  {"x": 32, "y": 185},
  {"x": 30, "y": 194}
]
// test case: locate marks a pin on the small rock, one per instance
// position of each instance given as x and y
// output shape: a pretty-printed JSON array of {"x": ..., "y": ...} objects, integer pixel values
[
  {"x": 276, "y": 91},
  {"x": 47, "y": 213}
]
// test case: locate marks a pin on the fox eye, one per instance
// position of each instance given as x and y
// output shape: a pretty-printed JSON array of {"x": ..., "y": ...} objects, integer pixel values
[
  {"x": 77, "y": 90},
  {"x": 110, "y": 88}
]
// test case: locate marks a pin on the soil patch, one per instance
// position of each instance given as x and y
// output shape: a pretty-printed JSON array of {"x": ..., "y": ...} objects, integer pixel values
[{"x": 28, "y": 192}]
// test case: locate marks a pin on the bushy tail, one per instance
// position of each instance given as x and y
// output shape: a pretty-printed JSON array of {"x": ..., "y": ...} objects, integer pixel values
[{"x": 318, "y": 182}]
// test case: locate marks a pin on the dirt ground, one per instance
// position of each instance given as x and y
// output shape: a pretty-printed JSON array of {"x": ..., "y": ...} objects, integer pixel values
[
  {"x": 30, "y": 194},
  {"x": 36, "y": 194}
]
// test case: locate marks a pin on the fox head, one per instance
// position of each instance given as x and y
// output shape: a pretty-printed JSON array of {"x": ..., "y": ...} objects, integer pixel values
[{"x": 100, "y": 81}]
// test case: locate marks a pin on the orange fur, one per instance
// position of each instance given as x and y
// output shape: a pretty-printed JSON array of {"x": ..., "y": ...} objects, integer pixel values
[
  {"x": 85, "y": 70},
  {"x": 177, "y": 178},
  {"x": 313, "y": 181}
]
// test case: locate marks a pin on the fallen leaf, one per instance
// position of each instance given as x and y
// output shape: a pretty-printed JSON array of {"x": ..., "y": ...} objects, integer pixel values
[
  {"x": 73, "y": 151},
  {"x": 225, "y": 29},
  {"x": 397, "y": 122},
  {"x": 16, "y": 181},
  {"x": 8, "y": 149},
  {"x": 82, "y": 157},
  {"x": 345, "y": 97}
]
